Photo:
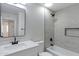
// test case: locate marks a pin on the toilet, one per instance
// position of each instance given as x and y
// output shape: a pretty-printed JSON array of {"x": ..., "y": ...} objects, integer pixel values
[
  {"x": 41, "y": 49},
  {"x": 45, "y": 54}
]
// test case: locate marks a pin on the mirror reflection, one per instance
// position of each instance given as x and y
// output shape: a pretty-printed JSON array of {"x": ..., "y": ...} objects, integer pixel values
[{"x": 12, "y": 21}]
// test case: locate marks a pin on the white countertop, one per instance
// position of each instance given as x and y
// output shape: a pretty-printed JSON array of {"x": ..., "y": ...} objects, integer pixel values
[{"x": 9, "y": 48}]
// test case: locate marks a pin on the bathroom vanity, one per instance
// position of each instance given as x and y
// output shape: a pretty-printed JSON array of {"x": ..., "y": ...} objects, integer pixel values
[{"x": 26, "y": 48}]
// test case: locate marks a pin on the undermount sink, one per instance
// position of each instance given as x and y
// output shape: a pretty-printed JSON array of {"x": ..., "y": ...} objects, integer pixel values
[{"x": 14, "y": 46}]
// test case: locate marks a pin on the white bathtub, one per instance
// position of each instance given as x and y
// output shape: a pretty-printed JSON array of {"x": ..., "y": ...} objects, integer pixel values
[{"x": 58, "y": 51}]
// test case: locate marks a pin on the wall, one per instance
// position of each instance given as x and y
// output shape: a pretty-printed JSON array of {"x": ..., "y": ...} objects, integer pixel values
[
  {"x": 67, "y": 18},
  {"x": 35, "y": 22},
  {"x": 48, "y": 27}
]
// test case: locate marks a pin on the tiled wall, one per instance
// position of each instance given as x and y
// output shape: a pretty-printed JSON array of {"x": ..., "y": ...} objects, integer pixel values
[
  {"x": 48, "y": 27},
  {"x": 67, "y": 18}
]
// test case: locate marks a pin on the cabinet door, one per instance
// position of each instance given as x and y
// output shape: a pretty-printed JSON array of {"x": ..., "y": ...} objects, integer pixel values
[{"x": 26, "y": 52}]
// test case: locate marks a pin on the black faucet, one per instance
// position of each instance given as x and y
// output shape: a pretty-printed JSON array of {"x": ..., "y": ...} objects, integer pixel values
[{"x": 15, "y": 41}]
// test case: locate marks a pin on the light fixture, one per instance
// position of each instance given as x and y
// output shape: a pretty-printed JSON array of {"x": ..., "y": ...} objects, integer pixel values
[
  {"x": 48, "y": 4},
  {"x": 18, "y": 5}
]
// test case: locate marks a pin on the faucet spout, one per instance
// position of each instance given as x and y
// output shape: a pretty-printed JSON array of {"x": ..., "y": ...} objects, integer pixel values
[{"x": 15, "y": 41}]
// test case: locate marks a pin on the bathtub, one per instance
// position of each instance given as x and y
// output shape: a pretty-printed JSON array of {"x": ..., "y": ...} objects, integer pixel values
[{"x": 58, "y": 51}]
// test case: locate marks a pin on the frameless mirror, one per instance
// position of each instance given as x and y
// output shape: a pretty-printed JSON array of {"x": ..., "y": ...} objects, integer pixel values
[{"x": 12, "y": 21}]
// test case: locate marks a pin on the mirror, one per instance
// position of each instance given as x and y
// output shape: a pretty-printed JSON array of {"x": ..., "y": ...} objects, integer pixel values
[{"x": 12, "y": 21}]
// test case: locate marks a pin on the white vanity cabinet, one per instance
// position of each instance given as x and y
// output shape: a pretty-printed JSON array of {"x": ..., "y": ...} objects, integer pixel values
[{"x": 27, "y": 52}]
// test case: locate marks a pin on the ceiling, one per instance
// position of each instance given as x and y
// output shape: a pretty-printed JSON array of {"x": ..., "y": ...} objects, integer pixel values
[
  {"x": 59, "y": 6},
  {"x": 10, "y": 8},
  {"x": 55, "y": 6}
]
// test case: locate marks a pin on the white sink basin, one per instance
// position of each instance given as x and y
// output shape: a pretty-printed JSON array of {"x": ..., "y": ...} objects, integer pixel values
[{"x": 15, "y": 46}]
